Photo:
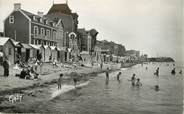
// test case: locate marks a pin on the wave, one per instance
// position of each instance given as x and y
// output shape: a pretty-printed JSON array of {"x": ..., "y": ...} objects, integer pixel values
[{"x": 65, "y": 88}]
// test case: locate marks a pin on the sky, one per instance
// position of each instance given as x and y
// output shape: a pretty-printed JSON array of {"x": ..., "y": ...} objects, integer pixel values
[{"x": 152, "y": 26}]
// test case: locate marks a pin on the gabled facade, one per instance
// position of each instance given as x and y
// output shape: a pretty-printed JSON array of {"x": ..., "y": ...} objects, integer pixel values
[
  {"x": 69, "y": 19},
  {"x": 29, "y": 28}
]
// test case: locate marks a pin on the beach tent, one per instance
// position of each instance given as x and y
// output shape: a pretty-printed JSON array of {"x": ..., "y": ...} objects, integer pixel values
[{"x": 7, "y": 47}]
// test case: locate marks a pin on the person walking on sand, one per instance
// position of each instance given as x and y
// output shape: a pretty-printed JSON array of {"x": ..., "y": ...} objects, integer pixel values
[
  {"x": 60, "y": 81},
  {"x": 6, "y": 67},
  {"x": 107, "y": 74},
  {"x": 54, "y": 63}
]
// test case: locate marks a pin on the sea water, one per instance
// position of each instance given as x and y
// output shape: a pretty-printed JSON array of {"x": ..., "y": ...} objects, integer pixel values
[{"x": 120, "y": 97}]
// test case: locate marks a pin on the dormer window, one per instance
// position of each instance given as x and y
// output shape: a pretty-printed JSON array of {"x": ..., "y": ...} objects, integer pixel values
[
  {"x": 54, "y": 24},
  {"x": 41, "y": 20},
  {"x": 34, "y": 18},
  {"x": 47, "y": 22},
  {"x": 11, "y": 19}
]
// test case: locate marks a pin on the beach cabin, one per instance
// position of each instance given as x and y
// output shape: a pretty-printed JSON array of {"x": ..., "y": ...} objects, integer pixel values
[
  {"x": 85, "y": 57},
  {"x": 47, "y": 53},
  {"x": 26, "y": 52},
  {"x": 7, "y": 47},
  {"x": 17, "y": 49},
  {"x": 38, "y": 49},
  {"x": 63, "y": 54},
  {"x": 54, "y": 52}
]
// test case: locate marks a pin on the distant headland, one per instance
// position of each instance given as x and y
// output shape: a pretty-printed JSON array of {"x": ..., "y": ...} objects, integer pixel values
[{"x": 161, "y": 59}]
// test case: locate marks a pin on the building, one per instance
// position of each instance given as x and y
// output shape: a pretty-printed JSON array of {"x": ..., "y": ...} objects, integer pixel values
[
  {"x": 87, "y": 39},
  {"x": 29, "y": 28},
  {"x": 132, "y": 54},
  {"x": 1, "y": 34},
  {"x": 70, "y": 24}
]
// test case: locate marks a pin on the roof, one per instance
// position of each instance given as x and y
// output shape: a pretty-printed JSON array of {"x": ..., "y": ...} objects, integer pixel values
[
  {"x": 53, "y": 47},
  {"x": 93, "y": 32},
  {"x": 35, "y": 46},
  {"x": 31, "y": 15},
  {"x": 60, "y": 8},
  {"x": 82, "y": 31},
  {"x": 26, "y": 46},
  {"x": 45, "y": 46},
  {"x": 3, "y": 41},
  {"x": 17, "y": 44},
  {"x": 84, "y": 53},
  {"x": 67, "y": 20}
]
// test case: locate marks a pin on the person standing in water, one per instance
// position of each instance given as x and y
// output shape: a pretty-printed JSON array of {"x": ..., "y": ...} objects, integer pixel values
[
  {"x": 133, "y": 80},
  {"x": 173, "y": 72},
  {"x": 146, "y": 68},
  {"x": 107, "y": 74},
  {"x": 138, "y": 83},
  {"x": 60, "y": 81},
  {"x": 180, "y": 72},
  {"x": 118, "y": 76},
  {"x": 157, "y": 72}
]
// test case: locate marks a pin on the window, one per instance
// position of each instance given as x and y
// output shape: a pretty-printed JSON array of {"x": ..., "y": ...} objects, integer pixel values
[
  {"x": 39, "y": 42},
  {"x": 48, "y": 33},
  {"x": 34, "y": 18},
  {"x": 54, "y": 24},
  {"x": 47, "y": 22},
  {"x": 45, "y": 42},
  {"x": 41, "y": 20},
  {"x": 35, "y": 31},
  {"x": 54, "y": 34},
  {"x": 9, "y": 51},
  {"x": 42, "y": 31},
  {"x": 11, "y": 19}
]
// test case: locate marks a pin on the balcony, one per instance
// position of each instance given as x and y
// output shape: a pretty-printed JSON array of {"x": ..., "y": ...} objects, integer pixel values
[{"x": 43, "y": 37}]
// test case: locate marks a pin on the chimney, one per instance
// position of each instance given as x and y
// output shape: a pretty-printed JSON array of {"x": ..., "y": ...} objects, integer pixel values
[
  {"x": 40, "y": 13},
  {"x": 17, "y": 6}
]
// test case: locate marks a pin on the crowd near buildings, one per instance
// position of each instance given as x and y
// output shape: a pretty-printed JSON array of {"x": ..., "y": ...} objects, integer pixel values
[{"x": 56, "y": 35}]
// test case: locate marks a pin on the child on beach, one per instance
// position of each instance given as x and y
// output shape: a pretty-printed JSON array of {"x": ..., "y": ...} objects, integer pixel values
[
  {"x": 138, "y": 83},
  {"x": 75, "y": 81},
  {"x": 133, "y": 80},
  {"x": 54, "y": 63},
  {"x": 118, "y": 76},
  {"x": 60, "y": 81},
  {"x": 107, "y": 74},
  {"x": 180, "y": 72}
]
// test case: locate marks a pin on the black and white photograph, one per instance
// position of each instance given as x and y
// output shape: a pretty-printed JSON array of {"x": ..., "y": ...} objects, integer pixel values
[{"x": 92, "y": 56}]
